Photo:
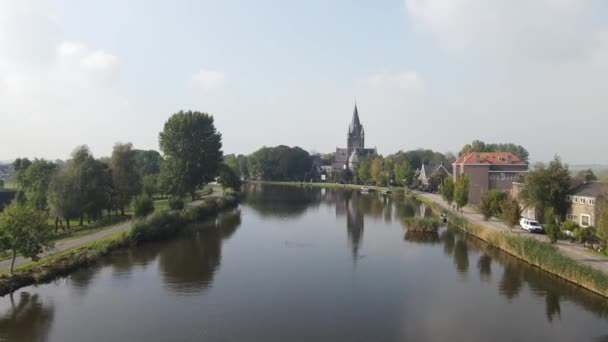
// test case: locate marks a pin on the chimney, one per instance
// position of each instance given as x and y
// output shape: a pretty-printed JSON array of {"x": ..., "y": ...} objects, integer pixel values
[
  {"x": 477, "y": 158},
  {"x": 509, "y": 159}
]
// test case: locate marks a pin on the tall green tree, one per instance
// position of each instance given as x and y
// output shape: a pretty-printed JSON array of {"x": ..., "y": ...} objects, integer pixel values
[
  {"x": 510, "y": 211},
  {"x": 125, "y": 176},
  {"x": 193, "y": 150},
  {"x": 404, "y": 173},
  {"x": 228, "y": 178},
  {"x": 461, "y": 191},
  {"x": 375, "y": 170},
  {"x": 363, "y": 170},
  {"x": 65, "y": 200},
  {"x": 34, "y": 180},
  {"x": 24, "y": 230},
  {"x": 147, "y": 162},
  {"x": 447, "y": 189},
  {"x": 546, "y": 187},
  {"x": 602, "y": 224}
]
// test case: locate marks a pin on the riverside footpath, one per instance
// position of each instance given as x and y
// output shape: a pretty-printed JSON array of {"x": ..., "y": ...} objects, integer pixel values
[
  {"x": 575, "y": 251},
  {"x": 76, "y": 242}
]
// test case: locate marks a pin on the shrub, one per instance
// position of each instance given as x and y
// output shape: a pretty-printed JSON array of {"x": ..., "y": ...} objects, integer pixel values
[
  {"x": 569, "y": 225},
  {"x": 427, "y": 224},
  {"x": 552, "y": 231},
  {"x": 142, "y": 205},
  {"x": 176, "y": 203},
  {"x": 584, "y": 234}
]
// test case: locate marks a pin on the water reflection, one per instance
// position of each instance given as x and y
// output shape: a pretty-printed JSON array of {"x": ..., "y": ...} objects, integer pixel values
[
  {"x": 484, "y": 265},
  {"x": 516, "y": 275},
  {"x": 282, "y": 201},
  {"x": 26, "y": 320},
  {"x": 188, "y": 265},
  {"x": 422, "y": 237}
]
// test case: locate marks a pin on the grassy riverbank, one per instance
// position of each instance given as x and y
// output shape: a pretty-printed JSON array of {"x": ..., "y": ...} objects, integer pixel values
[
  {"x": 538, "y": 253},
  {"x": 157, "y": 226}
]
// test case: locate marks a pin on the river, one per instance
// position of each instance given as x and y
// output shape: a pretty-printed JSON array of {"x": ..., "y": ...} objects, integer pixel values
[{"x": 308, "y": 264}]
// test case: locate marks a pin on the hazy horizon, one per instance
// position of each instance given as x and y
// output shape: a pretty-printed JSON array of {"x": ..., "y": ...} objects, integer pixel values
[{"x": 433, "y": 74}]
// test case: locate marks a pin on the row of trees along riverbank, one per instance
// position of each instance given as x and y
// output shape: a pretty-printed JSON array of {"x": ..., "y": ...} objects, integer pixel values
[
  {"x": 157, "y": 226},
  {"x": 85, "y": 187}
]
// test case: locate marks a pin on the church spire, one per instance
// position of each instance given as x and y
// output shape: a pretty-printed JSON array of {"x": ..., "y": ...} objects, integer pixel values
[{"x": 355, "y": 123}]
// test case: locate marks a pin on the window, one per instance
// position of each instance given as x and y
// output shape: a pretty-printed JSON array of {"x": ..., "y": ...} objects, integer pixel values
[
  {"x": 502, "y": 176},
  {"x": 585, "y": 220},
  {"x": 591, "y": 202},
  {"x": 569, "y": 198},
  {"x": 582, "y": 200}
]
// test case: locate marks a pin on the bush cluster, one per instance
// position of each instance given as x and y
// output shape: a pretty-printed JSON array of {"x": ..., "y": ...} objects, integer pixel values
[
  {"x": 176, "y": 203},
  {"x": 142, "y": 205}
]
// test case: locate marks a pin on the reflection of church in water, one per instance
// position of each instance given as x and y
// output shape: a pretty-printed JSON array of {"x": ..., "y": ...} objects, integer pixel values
[{"x": 347, "y": 206}]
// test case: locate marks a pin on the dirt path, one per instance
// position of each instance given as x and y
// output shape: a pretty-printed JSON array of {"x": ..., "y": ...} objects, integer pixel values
[
  {"x": 70, "y": 243},
  {"x": 574, "y": 251}
]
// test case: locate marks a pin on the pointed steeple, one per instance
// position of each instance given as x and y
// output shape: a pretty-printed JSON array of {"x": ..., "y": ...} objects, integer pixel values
[{"x": 355, "y": 123}]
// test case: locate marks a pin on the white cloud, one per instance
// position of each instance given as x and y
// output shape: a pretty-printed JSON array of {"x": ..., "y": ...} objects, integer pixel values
[{"x": 207, "y": 80}]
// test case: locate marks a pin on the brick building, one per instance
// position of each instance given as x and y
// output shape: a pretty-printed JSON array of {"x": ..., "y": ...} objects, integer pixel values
[{"x": 488, "y": 170}]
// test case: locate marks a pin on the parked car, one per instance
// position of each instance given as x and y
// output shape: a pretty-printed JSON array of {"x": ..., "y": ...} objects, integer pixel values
[{"x": 530, "y": 225}]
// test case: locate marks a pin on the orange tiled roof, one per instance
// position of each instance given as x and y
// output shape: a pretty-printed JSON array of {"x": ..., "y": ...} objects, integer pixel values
[{"x": 492, "y": 158}]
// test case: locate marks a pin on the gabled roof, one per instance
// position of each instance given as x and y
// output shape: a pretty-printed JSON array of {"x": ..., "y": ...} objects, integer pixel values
[
  {"x": 489, "y": 158},
  {"x": 590, "y": 189}
]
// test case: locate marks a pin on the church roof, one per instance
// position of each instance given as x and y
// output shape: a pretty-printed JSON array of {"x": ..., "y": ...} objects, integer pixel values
[{"x": 355, "y": 123}]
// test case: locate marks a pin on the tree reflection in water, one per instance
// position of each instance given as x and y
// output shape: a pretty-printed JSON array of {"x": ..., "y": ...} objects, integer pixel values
[
  {"x": 27, "y": 320},
  {"x": 188, "y": 265},
  {"x": 516, "y": 274},
  {"x": 484, "y": 264}
]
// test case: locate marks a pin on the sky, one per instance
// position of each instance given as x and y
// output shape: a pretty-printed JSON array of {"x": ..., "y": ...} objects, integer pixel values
[{"x": 424, "y": 73}]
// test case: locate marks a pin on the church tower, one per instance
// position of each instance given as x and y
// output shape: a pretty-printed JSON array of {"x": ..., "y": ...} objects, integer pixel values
[{"x": 356, "y": 136}]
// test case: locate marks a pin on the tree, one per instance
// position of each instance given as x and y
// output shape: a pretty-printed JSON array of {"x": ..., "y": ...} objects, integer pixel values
[
  {"x": 228, "y": 178},
  {"x": 447, "y": 189},
  {"x": 403, "y": 173},
  {"x": 193, "y": 150},
  {"x": 64, "y": 194},
  {"x": 375, "y": 170},
  {"x": 511, "y": 211},
  {"x": 363, "y": 170},
  {"x": 150, "y": 185},
  {"x": 142, "y": 205},
  {"x": 33, "y": 178},
  {"x": 461, "y": 191},
  {"x": 24, "y": 230},
  {"x": 546, "y": 188},
  {"x": 491, "y": 203},
  {"x": 602, "y": 224},
  {"x": 125, "y": 177},
  {"x": 280, "y": 163},
  {"x": 147, "y": 162},
  {"x": 584, "y": 176}
]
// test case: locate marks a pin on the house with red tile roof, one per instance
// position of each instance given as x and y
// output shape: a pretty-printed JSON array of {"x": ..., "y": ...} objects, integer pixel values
[{"x": 488, "y": 170}]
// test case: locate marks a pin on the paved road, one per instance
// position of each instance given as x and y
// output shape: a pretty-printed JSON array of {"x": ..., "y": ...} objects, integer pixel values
[
  {"x": 67, "y": 244},
  {"x": 575, "y": 251}
]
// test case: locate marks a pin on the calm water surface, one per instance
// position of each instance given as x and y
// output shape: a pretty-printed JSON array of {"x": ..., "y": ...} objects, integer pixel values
[{"x": 295, "y": 264}]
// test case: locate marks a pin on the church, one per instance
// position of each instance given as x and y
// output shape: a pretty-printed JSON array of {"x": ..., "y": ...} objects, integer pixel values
[{"x": 347, "y": 158}]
